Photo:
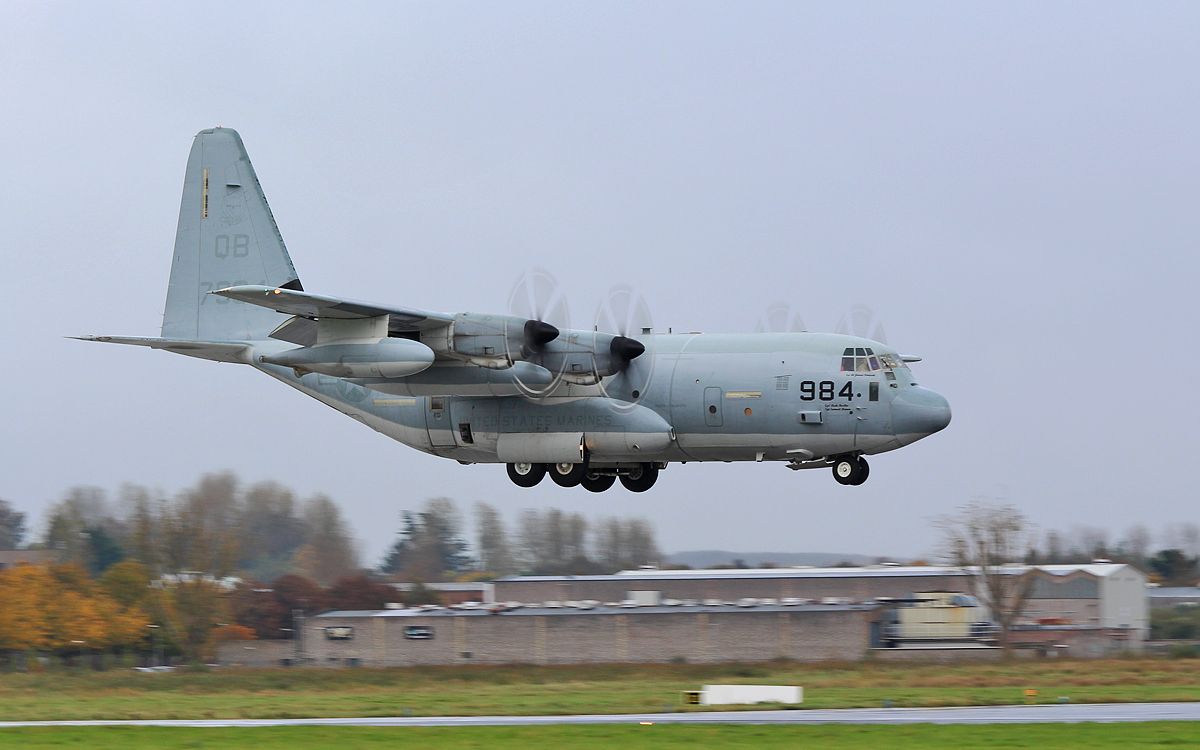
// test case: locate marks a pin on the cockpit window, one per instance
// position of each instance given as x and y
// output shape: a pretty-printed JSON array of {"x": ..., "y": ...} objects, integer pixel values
[
  {"x": 859, "y": 359},
  {"x": 892, "y": 362},
  {"x": 863, "y": 359}
]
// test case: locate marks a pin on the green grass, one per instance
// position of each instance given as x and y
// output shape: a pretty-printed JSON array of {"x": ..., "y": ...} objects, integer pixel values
[
  {"x": 477, "y": 690},
  {"x": 1042, "y": 736}
]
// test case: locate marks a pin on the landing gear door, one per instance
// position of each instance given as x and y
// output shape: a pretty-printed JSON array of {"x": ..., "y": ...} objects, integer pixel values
[
  {"x": 438, "y": 422},
  {"x": 712, "y": 407}
]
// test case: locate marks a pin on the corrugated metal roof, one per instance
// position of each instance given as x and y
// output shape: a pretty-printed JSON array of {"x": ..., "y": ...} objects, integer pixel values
[
  {"x": 882, "y": 571},
  {"x": 555, "y": 611},
  {"x": 1175, "y": 592}
]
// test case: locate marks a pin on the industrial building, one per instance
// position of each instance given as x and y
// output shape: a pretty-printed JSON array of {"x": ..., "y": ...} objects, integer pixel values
[
  {"x": 1174, "y": 596},
  {"x": 701, "y": 616},
  {"x": 1100, "y": 595},
  {"x": 585, "y": 632}
]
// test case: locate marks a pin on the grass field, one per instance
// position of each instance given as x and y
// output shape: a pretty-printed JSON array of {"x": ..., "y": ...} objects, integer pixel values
[
  {"x": 477, "y": 690},
  {"x": 1043, "y": 736}
]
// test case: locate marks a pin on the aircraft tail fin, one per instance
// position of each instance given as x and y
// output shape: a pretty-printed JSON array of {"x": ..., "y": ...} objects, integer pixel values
[{"x": 226, "y": 237}]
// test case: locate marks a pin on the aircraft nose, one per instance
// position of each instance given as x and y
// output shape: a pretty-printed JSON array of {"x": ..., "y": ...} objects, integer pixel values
[{"x": 919, "y": 412}]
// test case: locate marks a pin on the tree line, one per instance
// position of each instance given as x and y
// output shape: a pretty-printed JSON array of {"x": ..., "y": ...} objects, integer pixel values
[
  {"x": 262, "y": 531},
  {"x": 432, "y": 544}
]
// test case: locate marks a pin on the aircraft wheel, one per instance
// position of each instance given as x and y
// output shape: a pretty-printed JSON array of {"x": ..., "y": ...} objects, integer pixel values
[
  {"x": 598, "y": 482},
  {"x": 851, "y": 470},
  {"x": 845, "y": 469},
  {"x": 567, "y": 475},
  {"x": 864, "y": 471},
  {"x": 640, "y": 479},
  {"x": 526, "y": 475}
]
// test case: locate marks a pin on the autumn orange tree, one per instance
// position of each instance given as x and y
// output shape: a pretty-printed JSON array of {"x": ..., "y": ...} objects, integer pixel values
[{"x": 59, "y": 609}]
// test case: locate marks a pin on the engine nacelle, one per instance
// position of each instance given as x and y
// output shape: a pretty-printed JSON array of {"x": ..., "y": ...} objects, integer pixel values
[
  {"x": 585, "y": 358},
  {"x": 492, "y": 341},
  {"x": 386, "y": 358}
]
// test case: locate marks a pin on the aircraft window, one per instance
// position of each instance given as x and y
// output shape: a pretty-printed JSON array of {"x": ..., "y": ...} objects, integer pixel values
[
  {"x": 862, "y": 364},
  {"x": 860, "y": 352},
  {"x": 874, "y": 362},
  {"x": 847, "y": 364},
  {"x": 892, "y": 362}
]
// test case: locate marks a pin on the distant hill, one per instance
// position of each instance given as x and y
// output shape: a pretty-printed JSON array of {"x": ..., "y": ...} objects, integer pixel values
[{"x": 707, "y": 558}]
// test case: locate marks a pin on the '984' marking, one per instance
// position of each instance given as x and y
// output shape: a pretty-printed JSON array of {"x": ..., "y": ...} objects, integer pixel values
[{"x": 824, "y": 390}]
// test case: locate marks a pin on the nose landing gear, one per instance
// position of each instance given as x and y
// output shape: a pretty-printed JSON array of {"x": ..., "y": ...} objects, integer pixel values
[{"x": 851, "y": 470}]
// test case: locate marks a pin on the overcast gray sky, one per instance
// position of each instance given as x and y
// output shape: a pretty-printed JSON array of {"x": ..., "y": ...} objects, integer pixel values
[{"x": 1010, "y": 187}]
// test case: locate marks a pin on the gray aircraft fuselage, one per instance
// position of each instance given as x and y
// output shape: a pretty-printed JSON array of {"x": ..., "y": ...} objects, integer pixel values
[{"x": 583, "y": 407}]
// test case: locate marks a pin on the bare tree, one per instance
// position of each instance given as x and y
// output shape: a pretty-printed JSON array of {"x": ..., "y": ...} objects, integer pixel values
[
  {"x": 625, "y": 543},
  {"x": 985, "y": 539},
  {"x": 328, "y": 554},
  {"x": 12, "y": 526},
  {"x": 1137, "y": 543},
  {"x": 495, "y": 554}
]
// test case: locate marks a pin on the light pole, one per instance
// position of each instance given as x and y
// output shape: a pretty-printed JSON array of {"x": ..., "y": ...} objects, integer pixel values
[
  {"x": 154, "y": 648},
  {"x": 79, "y": 647}
]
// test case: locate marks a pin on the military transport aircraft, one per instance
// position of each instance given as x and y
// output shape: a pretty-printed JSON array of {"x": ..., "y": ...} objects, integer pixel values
[{"x": 585, "y": 407}]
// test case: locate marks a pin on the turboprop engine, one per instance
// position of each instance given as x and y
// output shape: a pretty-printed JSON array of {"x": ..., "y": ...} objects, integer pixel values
[
  {"x": 492, "y": 341},
  {"x": 585, "y": 358},
  {"x": 386, "y": 358}
]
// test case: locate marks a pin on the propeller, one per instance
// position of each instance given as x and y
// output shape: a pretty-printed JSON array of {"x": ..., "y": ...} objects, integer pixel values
[
  {"x": 626, "y": 349},
  {"x": 537, "y": 297},
  {"x": 537, "y": 334},
  {"x": 862, "y": 321},
  {"x": 779, "y": 318},
  {"x": 624, "y": 310}
]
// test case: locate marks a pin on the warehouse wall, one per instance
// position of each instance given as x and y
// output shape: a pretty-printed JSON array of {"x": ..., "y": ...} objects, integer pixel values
[
  {"x": 596, "y": 636},
  {"x": 725, "y": 588}
]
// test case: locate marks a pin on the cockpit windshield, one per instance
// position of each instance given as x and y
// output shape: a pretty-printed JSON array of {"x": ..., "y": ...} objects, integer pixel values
[
  {"x": 863, "y": 359},
  {"x": 892, "y": 362}
]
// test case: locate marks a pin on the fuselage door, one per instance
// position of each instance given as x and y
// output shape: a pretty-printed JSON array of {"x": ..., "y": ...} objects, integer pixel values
[
  {"x": 438, "y": 422},
  {"x": 712, "y": 407}
]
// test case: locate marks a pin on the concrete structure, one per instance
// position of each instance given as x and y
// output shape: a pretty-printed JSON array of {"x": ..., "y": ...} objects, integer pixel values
[
  {"x": 1173, "y": 596},
  {"x": 1107, "y": 596},
  {"x": 571, "y": 635},
  {"x": 451, "y": 593},
  {"x": 273, "y": 653},
  {"x": 1101, "y": 595},
  {"x": 11, "y": 557}
]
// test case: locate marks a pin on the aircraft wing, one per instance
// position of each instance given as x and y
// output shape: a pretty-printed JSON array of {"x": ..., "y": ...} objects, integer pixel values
[
  {"x": 217, "y": 351},
  {"x": 308, "y": 305}
]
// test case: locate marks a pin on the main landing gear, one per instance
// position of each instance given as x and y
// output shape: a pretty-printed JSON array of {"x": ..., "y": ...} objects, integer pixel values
[
  {"x": 526, "y": 475},
  {"x": 636, "y": 479},
  {"x": 852, "y": 470}
]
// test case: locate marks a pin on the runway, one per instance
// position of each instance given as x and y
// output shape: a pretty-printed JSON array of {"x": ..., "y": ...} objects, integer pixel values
[{"x": 1042, "y": 714}]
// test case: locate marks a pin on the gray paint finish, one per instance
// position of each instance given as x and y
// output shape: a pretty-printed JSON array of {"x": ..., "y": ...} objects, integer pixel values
[{"x": 645, "y": 403}]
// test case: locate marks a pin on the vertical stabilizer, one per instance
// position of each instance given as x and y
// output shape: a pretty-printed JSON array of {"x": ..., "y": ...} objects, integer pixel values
[{"x": 226, "y": 237}]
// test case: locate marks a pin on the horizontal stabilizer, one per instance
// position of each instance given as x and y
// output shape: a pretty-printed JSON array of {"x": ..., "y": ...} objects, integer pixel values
[
  {"x": 309, "y": 305},
  {"x": 217, "y": 351}
]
